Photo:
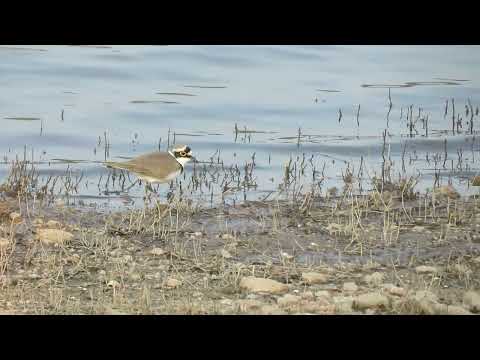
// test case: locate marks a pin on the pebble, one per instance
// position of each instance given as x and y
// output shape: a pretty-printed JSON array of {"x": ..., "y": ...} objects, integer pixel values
[
  {"x": 397, "y": 291},
  {"x": 374, "y": 279},
  {"x": 370, "y": 300},
  {"x": 288, "y": 300},
  {"x": 4, "y": 243},
  {"x": 350, "y": 287},
  {"x": 157, "y": 251},
  {"x": 53, "y": 236},
  {"x": 254, "y": 284},
  {"x": 172, "y": 283},
  {"x": 423, "y": 269},
  {"x": 314, "y": 278},
  {"x": 37, "y": 222},
  {"x": 53, "y": 224},
  {"x": 471, "y": 299}
]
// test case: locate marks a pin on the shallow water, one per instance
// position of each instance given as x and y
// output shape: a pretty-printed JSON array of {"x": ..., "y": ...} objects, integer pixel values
[{"x": 61, "y": 102}]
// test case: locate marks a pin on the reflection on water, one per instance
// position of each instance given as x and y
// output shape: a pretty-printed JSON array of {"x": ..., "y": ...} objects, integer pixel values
[{"x": 78, "y": 106}]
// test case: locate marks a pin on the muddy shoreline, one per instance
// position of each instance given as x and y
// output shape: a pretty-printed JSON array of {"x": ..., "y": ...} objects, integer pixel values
[{"x": 332, "y": 256}]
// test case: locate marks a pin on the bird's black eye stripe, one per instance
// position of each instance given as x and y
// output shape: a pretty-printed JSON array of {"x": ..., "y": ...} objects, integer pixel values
[{"x": 187, "y": 149}]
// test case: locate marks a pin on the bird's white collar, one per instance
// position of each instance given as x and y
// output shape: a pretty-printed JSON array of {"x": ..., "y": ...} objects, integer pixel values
[{"x": 181, "y": 161}]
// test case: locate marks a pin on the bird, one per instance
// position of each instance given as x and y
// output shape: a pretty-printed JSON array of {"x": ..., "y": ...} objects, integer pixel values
[{"x": 157, "y": 167}]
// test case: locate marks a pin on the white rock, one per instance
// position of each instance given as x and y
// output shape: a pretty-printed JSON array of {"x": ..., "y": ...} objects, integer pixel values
[
  {"x": 314, "y": 278},
  {"x": 371, "y": 300},
  {"x": 471, "y": 299},
  {"x": 172, "y": 283},
  {"x": 157, "y": 251},
  {"x": 254, "y": 284},
  {"x": 350, "y": 287},
  {"x": 423, "y": 269},
  {"x": 53, "y": 236},
  {"x": 288, "y": 300},
  {"x": 397, "y": 291}
]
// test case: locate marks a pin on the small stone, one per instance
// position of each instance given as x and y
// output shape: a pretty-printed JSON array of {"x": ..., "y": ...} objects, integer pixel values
[
  {"x": 225, "y": 254},
  {"x": 53, "y": 236},
  {"x": 471, "y": 300},
  {"x": 423, "y": 269},
  {"x": 397, "y": 291},
  {"x": 52, "y": 224},
  {"x": 350, "y": 287},
  {"x": 314, "y": 278},
  {"x": 254, "y": 284},
  {"x": 288, "y": 300},
  {"x": 4, "y": 243},
  {"x": 157, "y": 251},
  {"x": 374, "y": 279},
  {"x": 37, "y": 222},
  {"x": 370, "y": 300},
  {"x": 172, "y": 283}
]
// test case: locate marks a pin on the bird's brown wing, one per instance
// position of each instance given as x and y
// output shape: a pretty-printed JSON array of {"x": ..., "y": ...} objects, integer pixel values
[{"x": 140, "y": 163}]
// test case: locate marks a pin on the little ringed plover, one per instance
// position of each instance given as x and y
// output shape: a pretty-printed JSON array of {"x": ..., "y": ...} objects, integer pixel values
[{"x": 157, "y": 167}]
